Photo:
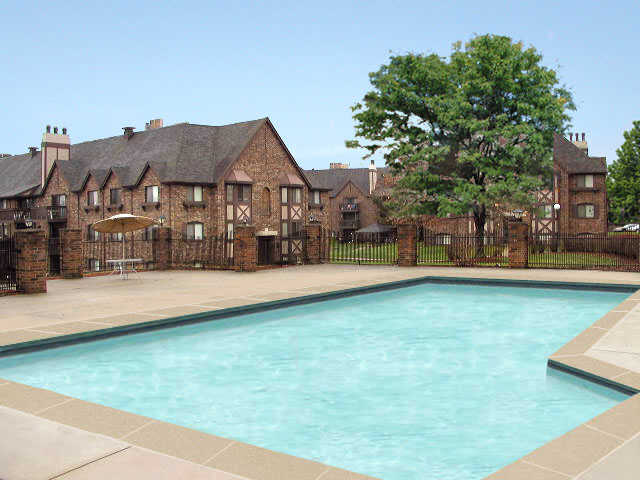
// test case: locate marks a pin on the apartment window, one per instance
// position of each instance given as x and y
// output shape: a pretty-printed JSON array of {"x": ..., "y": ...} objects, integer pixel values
[
  {"x": 150, "y": 233},
  {"x": 26, "y": 203},
  {"x": 315, "y": 197},
  {"x": 586, "y": 210},
  {"x": 195, "y": 231},
  {"x": 230, "y": 193},
  {"x": 4, "y": 230},
  {"x": 545, "y": 211},
  {"x": 58, "y": 200},
  {"x": 116, "y": 237},
  {"x": 194, "y": 194},
  {"x": 244, "y": 193},
  {"x": 93, "y": 198},
  {"x": 296, "y": 195},
  {"x": 283, "y": 195},
  {"x": 92, "y": 235},
  {"x": 4, "y": 204},
  {"x": 585, "y": 181},
  {"x": 94, "y": 265},
  {"x": 151, "y": 194},
  {"x": 115, "y": 196}
]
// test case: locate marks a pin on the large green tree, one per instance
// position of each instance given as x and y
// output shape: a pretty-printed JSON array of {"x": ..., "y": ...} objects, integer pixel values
[
  {"x": 467, "y": 132},
  {"x": 623, "y": 181}
]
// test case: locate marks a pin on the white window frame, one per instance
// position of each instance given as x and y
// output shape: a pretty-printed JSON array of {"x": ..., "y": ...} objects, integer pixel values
[
  {"x": 93, "y": 198},
  {"x": 195, "y": 231},
  {"x": 155, "y": 194}
]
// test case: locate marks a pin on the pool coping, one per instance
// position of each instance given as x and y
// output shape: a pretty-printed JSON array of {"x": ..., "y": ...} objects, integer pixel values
[
  {"x": 569, "y": 363},
  {"x": 218, "y": 314}
]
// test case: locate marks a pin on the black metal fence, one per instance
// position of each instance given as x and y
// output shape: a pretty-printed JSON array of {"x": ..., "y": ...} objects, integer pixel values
[
  {"x": 359, "y": 248},
  {"x": 587, "y": 251},
  {"x": 462, "y": 250},
  {"x": 8, "y": 265},
  {"x": 54, "y": 257},
  {"x": 96, "y": 254},
  {"x": 215, "y": 252}
]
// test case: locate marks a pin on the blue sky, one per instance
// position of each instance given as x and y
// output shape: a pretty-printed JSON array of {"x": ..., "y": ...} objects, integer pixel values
[{"x": 96, "y": 67}]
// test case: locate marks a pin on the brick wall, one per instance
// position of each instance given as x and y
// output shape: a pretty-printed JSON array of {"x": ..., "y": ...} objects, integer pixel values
[
  {"x": 264, "y": 159},
  {"x": 518, "y": 245},
  {"x": 407, "y": 236},
  {"x": 313, "y": 230},
  {"x": 71, "y": 252},
  {"x": 32, "y": 261},
  {"x": 245, "y": 248},
  {"x": 162, "y": 248}
]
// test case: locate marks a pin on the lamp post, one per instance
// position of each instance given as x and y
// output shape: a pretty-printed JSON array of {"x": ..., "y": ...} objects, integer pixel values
[{"x": 556, "y": 223}]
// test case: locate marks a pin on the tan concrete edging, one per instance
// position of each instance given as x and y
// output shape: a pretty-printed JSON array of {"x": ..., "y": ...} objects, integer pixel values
[
  {"x": 601, "y": 447},
  {"x": 173, "y": 440}
]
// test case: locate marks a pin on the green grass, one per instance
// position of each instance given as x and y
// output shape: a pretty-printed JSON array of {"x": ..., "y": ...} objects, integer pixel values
[
  {"x": 437, "y": 255},
  {"x": 570, "y": 258},
  {"x": 363, "y": 253}
]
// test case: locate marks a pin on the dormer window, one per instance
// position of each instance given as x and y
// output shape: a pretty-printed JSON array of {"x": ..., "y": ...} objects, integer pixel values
[
  {"x": 59, "y": 200},
  {"x": 115, "y": 196},
  {"x": 585, "y": 181},
  {"x": 151, "y": 194},
  {"x": 93, "y": 198},
  {"x": 315, "y": 197}
]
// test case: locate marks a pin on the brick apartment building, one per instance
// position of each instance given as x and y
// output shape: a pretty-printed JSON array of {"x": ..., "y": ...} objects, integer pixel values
[
  {"x": 203, "y": 181},
  {"x": 353, "y": 195},
  {"x": 198, "y": 180}
]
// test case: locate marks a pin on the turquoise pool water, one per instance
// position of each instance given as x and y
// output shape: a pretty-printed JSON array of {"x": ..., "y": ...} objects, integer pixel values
[{"x": 428, "y": 382}]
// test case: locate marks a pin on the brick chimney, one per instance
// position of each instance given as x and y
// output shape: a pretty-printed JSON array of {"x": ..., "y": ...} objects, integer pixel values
[
  {"x": 56, "y": 147},
  {"x": 153, "y": 124},
  {"x": 128, "y": 132},
  {"x": 581, "y": 144},
  {"x": 33, "y": 151},
  {"x": 334, "y": 165},
  {"x": 373, "y": 177}
]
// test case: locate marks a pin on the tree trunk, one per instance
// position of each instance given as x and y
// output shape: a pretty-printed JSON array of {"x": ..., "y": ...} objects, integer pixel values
[{"x": 479, "y": 219}]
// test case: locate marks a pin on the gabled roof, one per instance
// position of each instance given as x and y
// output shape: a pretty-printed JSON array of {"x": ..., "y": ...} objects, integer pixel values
[
  {"x": 182, "y": 153},
  {"x": 335, "y": 179},
  {"x": 573, "y": 159},
  {"x": 19, "y": 174}
]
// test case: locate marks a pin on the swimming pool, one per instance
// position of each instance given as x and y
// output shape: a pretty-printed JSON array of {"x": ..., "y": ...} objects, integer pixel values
[{"x": 424, "y": 382}]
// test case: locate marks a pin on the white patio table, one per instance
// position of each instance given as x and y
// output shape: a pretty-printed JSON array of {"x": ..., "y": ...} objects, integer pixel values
[{"x": 120, "y": 266}]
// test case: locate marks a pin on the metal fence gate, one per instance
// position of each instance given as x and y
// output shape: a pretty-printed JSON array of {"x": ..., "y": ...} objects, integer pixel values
[{"x": 8, "y": 265}]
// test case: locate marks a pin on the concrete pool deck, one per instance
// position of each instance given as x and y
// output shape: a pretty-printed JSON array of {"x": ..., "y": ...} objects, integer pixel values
[{"x": 605, "y": 447}]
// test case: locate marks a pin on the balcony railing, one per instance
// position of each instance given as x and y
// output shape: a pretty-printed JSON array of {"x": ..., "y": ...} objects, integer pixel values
[
  {"x": 349, "y": 207},
  {"x": 350, "y": 224},
  {"x": 57, "y": 213}
]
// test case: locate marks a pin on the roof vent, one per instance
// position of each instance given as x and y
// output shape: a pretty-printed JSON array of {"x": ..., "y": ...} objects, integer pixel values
[
  {"x": 128, "y": 131},
  {"x": 33, "y": 151}
]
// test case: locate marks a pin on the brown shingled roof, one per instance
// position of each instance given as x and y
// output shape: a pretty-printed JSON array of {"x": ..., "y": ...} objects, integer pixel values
[
  {"x": 182, "y": 153},
  {"x": 574, "y": 160}
]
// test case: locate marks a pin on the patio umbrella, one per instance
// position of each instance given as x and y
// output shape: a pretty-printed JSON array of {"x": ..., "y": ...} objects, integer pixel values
[{"x": 122, "y": 223}]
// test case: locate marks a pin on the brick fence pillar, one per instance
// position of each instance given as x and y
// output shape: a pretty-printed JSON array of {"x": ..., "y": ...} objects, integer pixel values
[
  {"x": 32, "y": 249},
  {"x": 407, "y": 237},
  {"x": 71, "y": 251},
  {"x": 518, "y": 245},
  {"x": 313, "y": 230},
  {"x": 162, "y": 249},
  {"x": 245, "y": 249}
]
